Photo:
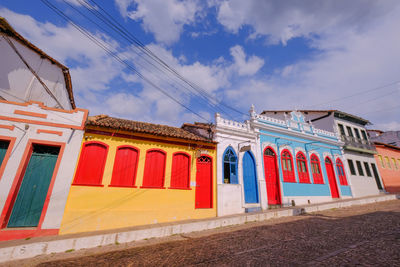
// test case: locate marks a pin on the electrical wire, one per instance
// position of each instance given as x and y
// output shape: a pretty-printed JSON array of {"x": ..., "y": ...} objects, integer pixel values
[
  {"x": 102, "y": 45},
  {"x": 117, "y": 26},
  {"x": 356, "y": 94}
]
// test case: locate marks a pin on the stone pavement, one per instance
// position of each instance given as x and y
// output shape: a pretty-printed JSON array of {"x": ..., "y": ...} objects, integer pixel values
[
  {"x": 366, "y": 235},
  {"x": 41, "y": 246}
]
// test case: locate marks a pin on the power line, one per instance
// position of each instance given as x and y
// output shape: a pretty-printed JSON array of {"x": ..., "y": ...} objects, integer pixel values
[
  {"x": 130, "y": 42},
  {"x": 385, "y": 109},
  {"x": 115, "y": 56},
  {"x": 358, "y": 93},
  {"x": 117, "y": 26}
]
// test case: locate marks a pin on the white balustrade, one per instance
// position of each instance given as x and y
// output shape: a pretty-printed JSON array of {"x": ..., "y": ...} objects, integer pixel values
[{"x": 273, "y": 120}]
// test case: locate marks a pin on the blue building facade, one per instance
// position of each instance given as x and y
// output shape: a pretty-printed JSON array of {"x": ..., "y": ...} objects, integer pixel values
[{"x": 300, "y": 164}]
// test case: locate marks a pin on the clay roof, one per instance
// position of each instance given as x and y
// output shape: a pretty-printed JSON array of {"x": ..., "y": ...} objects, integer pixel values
[
  {"x": 143, "y": 127},
  {"x": 202, "y": 125},
  {"x": 340, "y": 113},
  {"x": 386, "y": 145},
  {"x": 373, "y": 130},
  {"x": 6, "y": 28}
]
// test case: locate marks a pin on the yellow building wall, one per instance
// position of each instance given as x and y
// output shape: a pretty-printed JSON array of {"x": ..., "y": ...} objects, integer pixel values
[{"x": 91, "y": 208}]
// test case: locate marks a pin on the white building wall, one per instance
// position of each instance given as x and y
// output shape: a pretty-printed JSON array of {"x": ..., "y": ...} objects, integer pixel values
[
  {"x": 230, "y": 197},
  {"x": 25, "y": 128},
  {"x": 17, "y": 83},
  {"x": 361, "y": 185}
]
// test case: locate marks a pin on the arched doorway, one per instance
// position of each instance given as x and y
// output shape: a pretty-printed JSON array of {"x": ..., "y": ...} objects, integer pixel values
[
  {"x": 331, "y": 178},
  {"x": 249, "y": 178},
  {"x": 203, "y": 183},
  {"x": 271, "y": 177}
]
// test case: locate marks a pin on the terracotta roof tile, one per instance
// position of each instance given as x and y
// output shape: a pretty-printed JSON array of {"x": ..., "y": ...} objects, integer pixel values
[{"x": 142, "y": 127}]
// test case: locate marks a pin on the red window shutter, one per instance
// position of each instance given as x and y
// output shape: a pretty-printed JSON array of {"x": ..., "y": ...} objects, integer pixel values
[
  {"x": 125, "y": 166},
  {"x": 302, "y": 168},
  {"x": 341, "y": 173},
  {"x": 316, "y": 170},
  {"x": 91, "y": 164},
  {"x": 154, "y": 170},
  {"x": 288, "y": 172},
  {"x": 180, "y": 175}
]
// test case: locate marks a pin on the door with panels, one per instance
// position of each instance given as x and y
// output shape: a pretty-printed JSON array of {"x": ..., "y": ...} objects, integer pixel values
[
  {"x": 249, "y": 178},
  {"x": 203, "y": 195},
  {"x": 29, "y": 201},
  {"x": 272, "y": 177},
  {"x": 331, "y": 178}
]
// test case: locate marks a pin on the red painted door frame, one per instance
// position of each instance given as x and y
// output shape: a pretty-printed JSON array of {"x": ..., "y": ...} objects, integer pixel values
[
  {"x": 331, "y": 178},
  {"x": 8, "y": 234},
  {"x": 272, "y": 178}
]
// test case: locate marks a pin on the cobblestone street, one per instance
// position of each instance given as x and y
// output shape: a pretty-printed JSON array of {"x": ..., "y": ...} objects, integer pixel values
[{"x": 361, "y": 235}]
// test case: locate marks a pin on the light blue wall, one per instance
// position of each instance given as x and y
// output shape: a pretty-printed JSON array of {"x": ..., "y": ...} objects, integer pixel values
[{"x": 303, "y": 189}]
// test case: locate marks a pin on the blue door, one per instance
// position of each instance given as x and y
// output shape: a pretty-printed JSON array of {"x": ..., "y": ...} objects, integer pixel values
[{"x": 249, "y": 178}]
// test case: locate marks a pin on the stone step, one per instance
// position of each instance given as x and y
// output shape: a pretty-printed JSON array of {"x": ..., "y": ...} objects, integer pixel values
[{"x": 252, "y": 209}]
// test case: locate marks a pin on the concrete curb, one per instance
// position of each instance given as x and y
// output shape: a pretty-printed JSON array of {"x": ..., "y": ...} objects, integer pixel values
[{"x": 62, "y": 245}]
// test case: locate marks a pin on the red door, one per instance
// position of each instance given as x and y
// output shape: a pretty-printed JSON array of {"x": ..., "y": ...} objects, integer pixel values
[
  {"x": 331, "y": 178},
  {"x": 271, "y": 177},
  {"x": 203, "y": 183}
]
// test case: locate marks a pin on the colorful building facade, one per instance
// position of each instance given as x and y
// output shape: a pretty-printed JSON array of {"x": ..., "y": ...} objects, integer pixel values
[
  {"x": 134, "y": 173},
  {"x": 362, "y": 172},
  {"x": 301, "y": 164},
  {"x": 240, "y": 183},
  {"x": 388, "y": 160},
  {"x": 40, "y": 135}
]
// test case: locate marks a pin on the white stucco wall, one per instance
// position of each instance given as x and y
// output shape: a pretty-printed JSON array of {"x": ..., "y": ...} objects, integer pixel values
[
  {"x": 27, "y": 130},
  {"x": 231, "y": 196},
  {"x": 17, "y": 83},
  {"x": 361, "y": 185}
]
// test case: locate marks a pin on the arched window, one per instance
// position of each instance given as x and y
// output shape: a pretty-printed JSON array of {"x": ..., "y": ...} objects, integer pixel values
[
  {"x": 287, "y": 167},
  {"x": 341, "y": 173},
  {"x": 302, "y": 168},
  {"x": 180, "y": 174},
  {"x": 154, "y": 169},
  {"x": 125, "y": 166},
  {"x": 230, "y": 166},
  {"x": 269, "y": 152},
  {"x": 316, "y": 170},
  {"x": 91, "y": 164}
]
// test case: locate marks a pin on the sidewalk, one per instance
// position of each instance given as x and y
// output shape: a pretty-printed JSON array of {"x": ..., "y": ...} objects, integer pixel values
[{"x": 23, "y": 249}]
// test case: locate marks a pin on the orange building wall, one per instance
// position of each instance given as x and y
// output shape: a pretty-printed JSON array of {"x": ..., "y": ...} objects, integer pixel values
[{"x": 390, "y": 174}]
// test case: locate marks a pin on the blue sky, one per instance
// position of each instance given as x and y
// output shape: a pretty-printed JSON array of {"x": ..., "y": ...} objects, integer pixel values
[{"x": 274, "y": 54}]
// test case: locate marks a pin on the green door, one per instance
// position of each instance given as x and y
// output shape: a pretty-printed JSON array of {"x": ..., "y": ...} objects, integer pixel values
[
  {"x": 3, "y": 150},
  {"x": 32, "y": 193}
]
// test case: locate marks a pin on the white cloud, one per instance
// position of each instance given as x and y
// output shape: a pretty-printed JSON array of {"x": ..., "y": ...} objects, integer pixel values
[
  {"x": 281, "y": 21},
  {"x": 164, "y": 18},
  {"x": 249, "y": 67},
  {"x": 351, "y": 58},
  {"x": 94, "y": 68},
  {"x": 390, "y": 126}
]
